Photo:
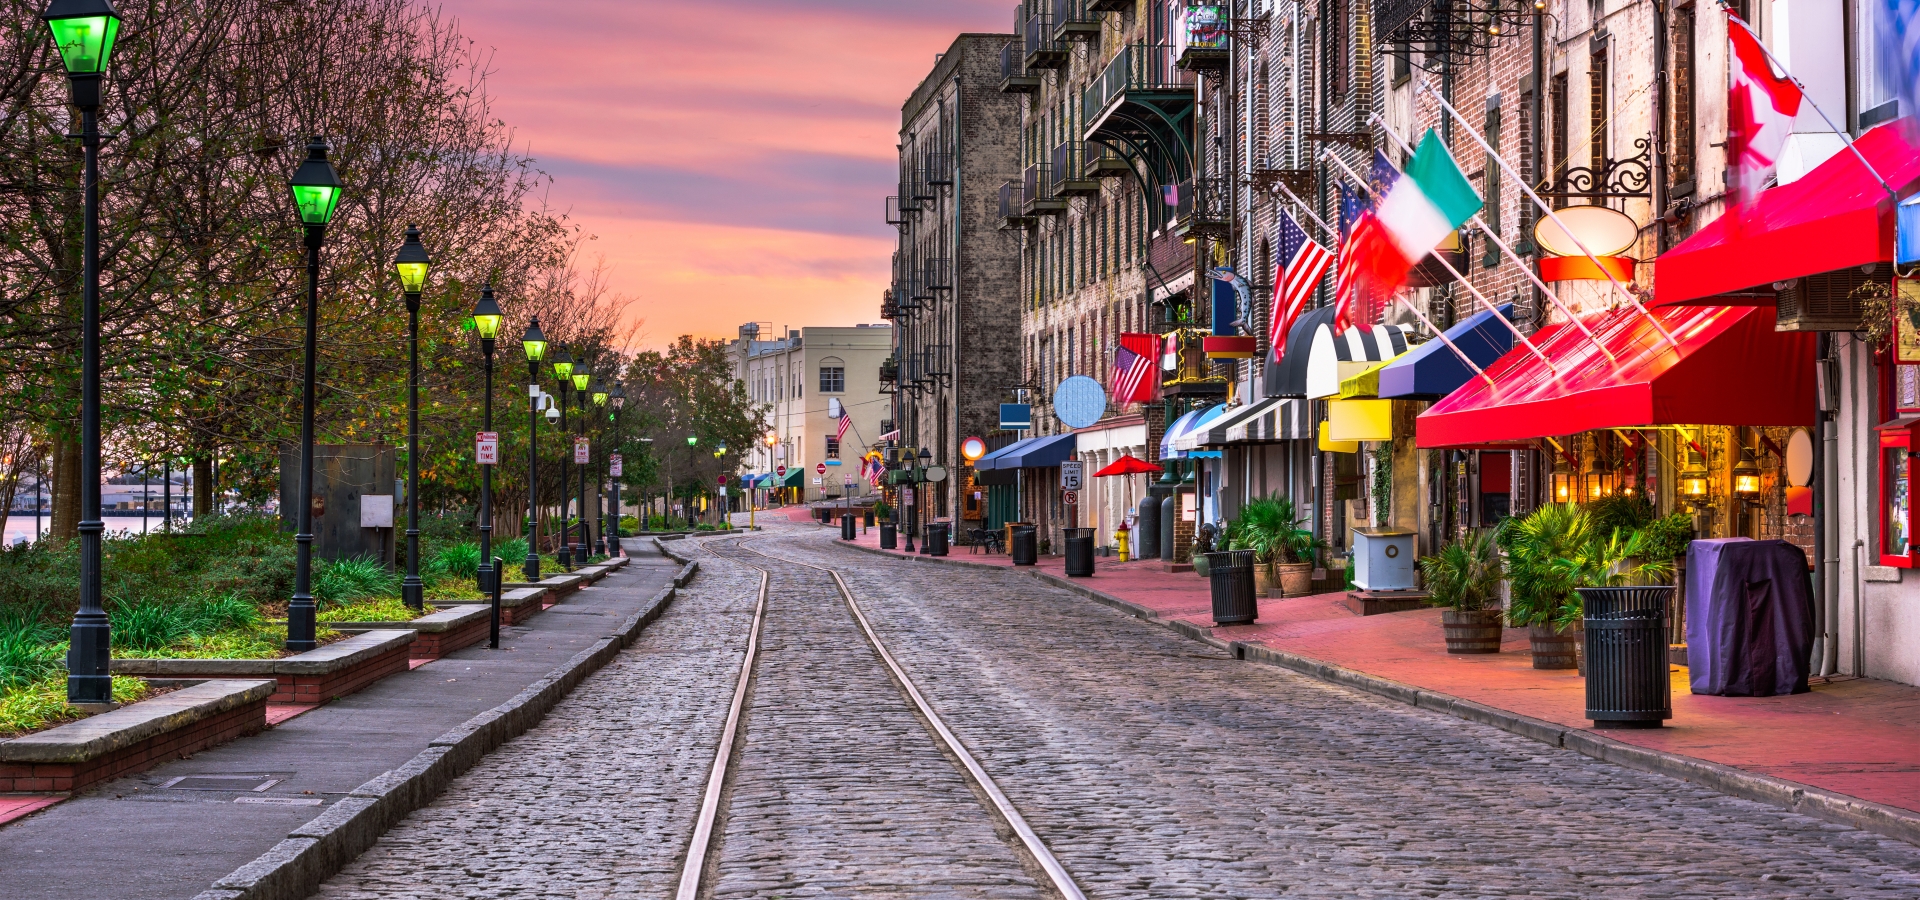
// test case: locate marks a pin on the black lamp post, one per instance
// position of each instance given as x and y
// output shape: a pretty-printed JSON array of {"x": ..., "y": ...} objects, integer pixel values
[
  {"x": 563, "y": 370},
  {"x": 412, "y": 264},
  {"x": 618, "y": 400},
  {"x": 535, "y": 343},
  {"x": 600, "y": 396},
  {"x": 84, "y": 31},
  {"x": 693, "y": 440},
  {"x": 316, "y": 192},
  {"x": 486, "y": 320},
  {"x": 582, "y": 376},
  {"x": 921, "y": 493},
  {"x": 913, "y": 488}
]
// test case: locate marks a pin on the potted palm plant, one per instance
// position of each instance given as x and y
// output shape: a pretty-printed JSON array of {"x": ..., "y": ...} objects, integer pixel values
[
  {"x": 1543, "y": 598},
  {"x": 1465, "y": 578},
  {"x": 1274, "y": 530}
]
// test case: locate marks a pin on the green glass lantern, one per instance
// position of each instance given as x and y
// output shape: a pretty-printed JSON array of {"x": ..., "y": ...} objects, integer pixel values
[
  {"x": 692, "y": 441},
  {"x": 487, "y": 315},
  {"x": 316, "y": 188},
  {"x": 581, "y": 375},
  {"x": 599, "y": 393},
  {"x": 533, "y": 341},
  {"x": 412, "y": 262},
  {"x": 562, "y": 364},
  {"x": 84, "y": 31}
]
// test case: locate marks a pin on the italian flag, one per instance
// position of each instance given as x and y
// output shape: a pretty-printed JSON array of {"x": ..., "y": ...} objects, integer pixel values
[{"x": 1419, "y": 209}]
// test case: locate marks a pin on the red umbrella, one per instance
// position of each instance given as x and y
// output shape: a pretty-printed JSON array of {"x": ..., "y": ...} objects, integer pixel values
[{"x": 1127, "y": 465}]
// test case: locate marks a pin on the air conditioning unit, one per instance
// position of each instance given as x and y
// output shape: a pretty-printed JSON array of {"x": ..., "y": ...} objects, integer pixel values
[{"x": 1829, "y": 301}]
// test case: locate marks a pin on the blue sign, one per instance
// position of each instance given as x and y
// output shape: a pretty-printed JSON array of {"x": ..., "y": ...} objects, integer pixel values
[
  {"x": 1079, "y": 402},
  {"x": 1016, "y": 416},
  {"x": 1906, "y": 244}
]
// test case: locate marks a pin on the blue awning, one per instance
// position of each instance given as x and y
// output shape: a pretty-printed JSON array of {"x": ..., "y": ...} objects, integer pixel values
[
  {"x": 1432, "y": 370},
  {"x": 1032, "y": 453},
  {"x": 1185, "y": 425}
]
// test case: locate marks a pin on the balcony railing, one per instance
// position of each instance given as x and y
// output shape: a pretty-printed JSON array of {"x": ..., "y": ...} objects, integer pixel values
[
  {"x": 1106, "y": 6},
  {"x": 1202, "y": 35},
  {"x": 1014, "y": 77},
  {"x": 894, "y": 216},
  {"x": 936, "y": 167},
  {"x": 908, "y": 202},
  {"x": 1069, "y": 172},
  {"x": 1074, "y": 21},
  {"x": 1199, "y": 205},
  {"x": 937, "y": 273},
  {"x": 1098, "y": 160},
  {"x": 1043, "y": 52},
  {"x": 936, "y": 361},
  {"x": 1137, "y": 67},
  {"x": 1011, "y": 213},
  {"x": 1035, "y": 197}
]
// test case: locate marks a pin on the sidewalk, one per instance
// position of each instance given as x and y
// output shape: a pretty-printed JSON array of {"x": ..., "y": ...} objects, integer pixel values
[
  {"x": 1853, "y": 736},
  {"x": 131, "y": 838}
]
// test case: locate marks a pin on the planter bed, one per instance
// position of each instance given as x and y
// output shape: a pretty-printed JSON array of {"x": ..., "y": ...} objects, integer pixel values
[
  {"x": 516, "y": 605},
  {"x": 135, "y": 737},
  {"x": 316, "y": 676},
  {"x": 435, "y": 634}
]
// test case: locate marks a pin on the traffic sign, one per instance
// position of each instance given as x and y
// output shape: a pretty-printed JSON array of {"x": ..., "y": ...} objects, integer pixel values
[
  {"x": 580, "y": 452},
  {"x": 614, "y": 467},
  {"x": 1070, "y": 475},
  {"x": 486, "y": 447},
  {"x": 780, "y": 471},
  {"x": 848, "y": 481},
  {"x": 1070, "y": 498},
  {"x": 820, "y": 470},
  {"x": 721, "y": 480}
]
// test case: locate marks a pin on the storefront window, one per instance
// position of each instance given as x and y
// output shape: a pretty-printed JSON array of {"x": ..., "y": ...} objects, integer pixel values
[{"x": 1896, "y": 504}]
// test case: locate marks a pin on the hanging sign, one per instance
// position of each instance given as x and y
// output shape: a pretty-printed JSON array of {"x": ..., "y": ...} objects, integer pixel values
[
  {"x": 614, "y": 466},
  {"x": 580, "y": 452},
  {"x": 1906, "y": 320},
  {"x": 906, "y": 496},
  {"x": 486, "y": 447},
  {"x": 1016, "y": 416},
  {"x": 1079, "y": 402},
  {"x": 973, "y": 448}
]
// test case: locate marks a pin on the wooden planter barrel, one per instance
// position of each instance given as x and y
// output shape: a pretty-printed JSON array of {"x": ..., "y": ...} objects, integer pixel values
[
  {"x": 1295, "y": 579},
  {"x": 1472, "y": 631},
  {"x": 1555, "y": 648}
]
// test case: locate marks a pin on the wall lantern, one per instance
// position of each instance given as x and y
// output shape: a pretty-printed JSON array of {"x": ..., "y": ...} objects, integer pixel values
[
  {"x": 1746, "y": 476},
  {"x": 1563, "y": 480},
  {"x": 1693, "y": 479}
]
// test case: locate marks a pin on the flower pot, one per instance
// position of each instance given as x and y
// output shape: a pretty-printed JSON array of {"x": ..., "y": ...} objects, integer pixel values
[
  {"x": 1200, "y": 567},
  {"x": 1295, "y": 579},
  {"x": 1262, "y": 580},
  {"x": 1555, "y": 648},
  {"x": 1471, "y": 631}
]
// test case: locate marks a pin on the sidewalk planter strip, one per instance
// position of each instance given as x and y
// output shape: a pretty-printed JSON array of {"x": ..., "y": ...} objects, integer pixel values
[
  {"x": 316, "y": 676},
  {"x": 435, "y": 634},
  {"x": 516, "y": 604},
  {"x": 135, "y": 737}
]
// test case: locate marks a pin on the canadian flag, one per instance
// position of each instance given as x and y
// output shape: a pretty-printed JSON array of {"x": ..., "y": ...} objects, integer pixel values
[{"x": 1760, "y": 111}]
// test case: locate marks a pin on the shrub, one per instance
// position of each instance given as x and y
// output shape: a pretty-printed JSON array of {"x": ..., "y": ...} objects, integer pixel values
[
  {"x": 30, "y": 644},
  {"x": 148, "y": 625},
  {"x": 382, "y": 609},
  {"x": 356, "y": 578},
  {"x": 459, "y": 560},
  {"x": 511, "y": 551},
  {"x": 1465, "y": 574}
]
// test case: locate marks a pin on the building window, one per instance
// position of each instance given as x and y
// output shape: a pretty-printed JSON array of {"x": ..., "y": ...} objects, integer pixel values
[
  {"x": 1597, "y": 105},
  {"x": 833, "y": 376},
  {"x": 1680, "y": 144},
  {"x": 1559, "y": 154},
  {"x": 1896, "y": 504},
  {"x": 833, "y": 447}
]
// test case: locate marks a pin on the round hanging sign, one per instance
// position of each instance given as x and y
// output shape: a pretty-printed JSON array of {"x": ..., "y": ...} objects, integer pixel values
[
  {"x": 973, "y": 448},
  {"x": 1800, "y": 458},
  {"x": 1603, "y": 229},
  {"x": 1079, "y": 402}
]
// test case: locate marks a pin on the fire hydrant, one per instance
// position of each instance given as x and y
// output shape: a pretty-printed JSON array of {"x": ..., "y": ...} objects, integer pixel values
[{"x": 1120, "y": 540}]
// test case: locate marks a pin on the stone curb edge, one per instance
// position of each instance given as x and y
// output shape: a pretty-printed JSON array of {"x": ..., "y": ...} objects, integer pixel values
[
  {"x": 322, "y": 847},
  {"x": 1790, "y": 795}
]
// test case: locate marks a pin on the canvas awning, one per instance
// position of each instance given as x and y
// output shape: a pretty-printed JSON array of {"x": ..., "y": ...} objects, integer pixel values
[
  {"x": 1364, "y": 383},
  {"x": 1316, "y": 358},
  {"x": 1288, "y": 420},
  {"x": 1215, "y": 433},
  {"x": 1432, "y": 370},
  {"x": 1032, "y": 453},
  {"x": 1171, "y": 445},
  {"x": 1833, "y": 217},
  {"x": 1731, "y": 368}
]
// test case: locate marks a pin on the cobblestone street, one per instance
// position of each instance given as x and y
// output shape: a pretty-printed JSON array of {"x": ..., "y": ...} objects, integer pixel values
[{"x": 1152, "y": 766}]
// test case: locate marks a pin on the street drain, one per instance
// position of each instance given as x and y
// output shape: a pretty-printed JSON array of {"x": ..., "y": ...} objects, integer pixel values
[{"x": 254, "y": 783}]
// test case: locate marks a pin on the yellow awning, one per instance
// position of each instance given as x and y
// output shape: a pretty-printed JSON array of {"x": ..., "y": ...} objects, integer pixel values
[
  {"x": 1360, "y": 420},
  {"x": 1366, "y": 382},
  {"x": 1332, "y": 446}
]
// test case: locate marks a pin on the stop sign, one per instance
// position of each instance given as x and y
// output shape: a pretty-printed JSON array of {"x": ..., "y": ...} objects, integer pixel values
[
  {"x": 781, "y": 471},
  {"x": 820, "y": 469}
]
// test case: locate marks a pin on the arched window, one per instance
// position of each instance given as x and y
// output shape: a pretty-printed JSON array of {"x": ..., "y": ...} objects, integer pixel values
[{"x": 833, "y": 376}]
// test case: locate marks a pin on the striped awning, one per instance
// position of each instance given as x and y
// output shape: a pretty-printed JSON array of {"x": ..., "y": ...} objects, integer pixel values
[
  {"x": 1214, "y": 433},
  {"x": 1317, "y": 358},
  {"x": 1285, "y": 420}
]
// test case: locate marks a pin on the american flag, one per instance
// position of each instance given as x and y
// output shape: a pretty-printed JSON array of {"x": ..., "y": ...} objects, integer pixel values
[
  {"x": 846, "y": 419},
  {"x": 1302, "y": 263},
  {"x": 873, "y": 470},
  {"x": 1133, "y": 368}
]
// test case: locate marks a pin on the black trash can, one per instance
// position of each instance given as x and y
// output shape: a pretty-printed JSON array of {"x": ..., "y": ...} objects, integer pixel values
[
  {"x": 938, "y": 539},
  {"x": 1231, "y": 575},
  {"x": 868, "y": 522},
  {"x": 1146, "y": 530},
  {"x": 846, "y": 528},
  {"x": 1628, "y": 683},
  {"x": 889, "y": 540},
  {"x": 1026, "y": 547},
  {"x": 1079, "y": 552}
]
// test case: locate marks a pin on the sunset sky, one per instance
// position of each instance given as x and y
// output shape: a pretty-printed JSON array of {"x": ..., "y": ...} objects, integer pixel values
[{"x": 731, "y": 159}]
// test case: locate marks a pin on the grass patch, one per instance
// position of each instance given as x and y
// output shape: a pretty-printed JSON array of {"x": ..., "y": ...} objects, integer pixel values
[
  {"x": 41, "y": 704},
  {"x": 382, "y": 609},
  {"x": 348, "y": 580}
]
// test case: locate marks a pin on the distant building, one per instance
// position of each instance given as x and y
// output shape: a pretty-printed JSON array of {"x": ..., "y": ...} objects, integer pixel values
[{"x": 797, "y": 380}]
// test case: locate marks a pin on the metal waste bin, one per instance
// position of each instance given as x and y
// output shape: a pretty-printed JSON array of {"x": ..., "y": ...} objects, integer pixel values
[
  {"x": 889, "y": 539},
  {"x": 937, "y": 538},
  {"x": 1079, "y": 552},
  {"x": 1026, "y": 546},
  {"x": 1628, "y": 683},
  {"x": 846, "y": 528},
  {"x": 869, "y": 518},
  {"x": 1231, "y": 575}
]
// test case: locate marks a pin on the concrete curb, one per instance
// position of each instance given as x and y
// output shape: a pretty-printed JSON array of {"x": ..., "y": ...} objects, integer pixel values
[
  {"x": 1790, "y": 795},
  {"x": 322, "y": 847}
]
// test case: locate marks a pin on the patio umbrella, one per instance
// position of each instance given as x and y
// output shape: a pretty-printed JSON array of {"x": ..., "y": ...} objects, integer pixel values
[{"x": 1127, "y": 465}]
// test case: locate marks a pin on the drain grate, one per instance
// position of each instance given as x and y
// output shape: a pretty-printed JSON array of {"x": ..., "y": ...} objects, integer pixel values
[{"x": 254, "y": 783}]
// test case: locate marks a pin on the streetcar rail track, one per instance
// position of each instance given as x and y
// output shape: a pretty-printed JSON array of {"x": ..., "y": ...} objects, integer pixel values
[{"x": 700, "y": 846}]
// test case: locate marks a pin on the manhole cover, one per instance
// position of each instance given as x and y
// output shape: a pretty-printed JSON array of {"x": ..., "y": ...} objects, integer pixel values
[{"x": 222, "y": 782}]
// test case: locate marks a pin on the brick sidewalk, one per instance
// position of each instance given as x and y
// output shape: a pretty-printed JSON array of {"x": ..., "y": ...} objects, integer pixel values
[{"x": 1854, "y": 736}]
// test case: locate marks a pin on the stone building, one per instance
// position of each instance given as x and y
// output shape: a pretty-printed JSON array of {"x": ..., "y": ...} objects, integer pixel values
[
  {"x": 799, "y": 380},
  {"x": 953, "y": 298}
]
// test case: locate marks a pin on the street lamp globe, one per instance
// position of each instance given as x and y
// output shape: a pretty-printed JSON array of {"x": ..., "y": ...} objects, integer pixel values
[
  {"x": 412, "y": 262},
  {"x": 487, "y": 315},
  {"x": 316, "y": 187},
  {"x": 693, "y": 440},
  {"x": 619, "y": 396},
  {"x": 534, "y": 342},
  {"x": 84, "y": 31},
  {"x": 581, "y": 375},
  {"x": 562, "y": 364},
  {"x": 600, "y": 393}
]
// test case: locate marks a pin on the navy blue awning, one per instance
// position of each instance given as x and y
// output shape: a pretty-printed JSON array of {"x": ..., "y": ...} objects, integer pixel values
[
  {"x": 1432, "y": 370},
  {"x": 1032, "y": 453}
]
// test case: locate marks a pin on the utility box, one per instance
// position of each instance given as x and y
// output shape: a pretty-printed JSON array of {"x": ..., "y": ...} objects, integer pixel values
[
  {"x": 352, "y": 497},
  {"x": 1383, "y": 559}
]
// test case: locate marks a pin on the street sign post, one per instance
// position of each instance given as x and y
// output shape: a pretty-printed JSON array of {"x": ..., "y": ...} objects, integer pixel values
[
  {"x": 486, "y": 448},
  {"x": 820, "y": 470},
  {"x": 780, "y": 471},
  {"x": 1070, "y": 475},
  {"x": 581, "y": 452},
  {"x": 614, "y": 468},
  {"x": 1072, "y": 498}
]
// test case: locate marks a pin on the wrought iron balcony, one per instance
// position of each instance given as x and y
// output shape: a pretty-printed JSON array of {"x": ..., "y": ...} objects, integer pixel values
[
  {"x": 1139, "y": 68},
  {"x": 1011, "y": 214},
  {"x": 1106, "y": 6},
  {"x": 1043, "y": 52},
  {"x": 1193, "y": 373},
  {"x": 888, "y": 309},
  {"x": 1073, "y": 21},
  {"x": 1034, "y": 200},
  {"x": 894, "y": 215},
  {"x": 936, "y": 167},
  {"x": 1098, "y": 160},
  {"x": 1069, "y": 172},
  {"x": 1202, "y": 36},
  {"x": 890, "y": 370},
  {"x": 1166, "y": 315},
  {"x": 937, "y": 274},
  {"x": 1200, "y": 207},
  {"x": 937, "y": 362},
  {"x": 917, "y": 187},
  {"x": 908, "y": 202},
  {"x": 1014, "y": 77}
]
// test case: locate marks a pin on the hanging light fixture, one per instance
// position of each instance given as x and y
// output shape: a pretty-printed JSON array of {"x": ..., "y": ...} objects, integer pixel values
[
  {"x": 1746, "y": 475},
  {"x": 1562, "y": 479},
  {"x": 1693, "y": 479}
]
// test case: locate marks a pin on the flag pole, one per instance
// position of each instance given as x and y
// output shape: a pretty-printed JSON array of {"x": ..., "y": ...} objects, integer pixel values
[
  {"x": 1808, "y": 96},
  {"x": 1528, "y": 189},
  {"x": 1355, "y": 176}
]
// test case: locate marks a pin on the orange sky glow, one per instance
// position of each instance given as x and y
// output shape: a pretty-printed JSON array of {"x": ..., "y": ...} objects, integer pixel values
[{"x": 730, "y": 160}]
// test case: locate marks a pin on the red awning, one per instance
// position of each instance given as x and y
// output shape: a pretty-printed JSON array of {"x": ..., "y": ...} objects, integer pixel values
[
  {"x": 1833, "y": 217},
  {"x": 1731, "y": 368}
]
